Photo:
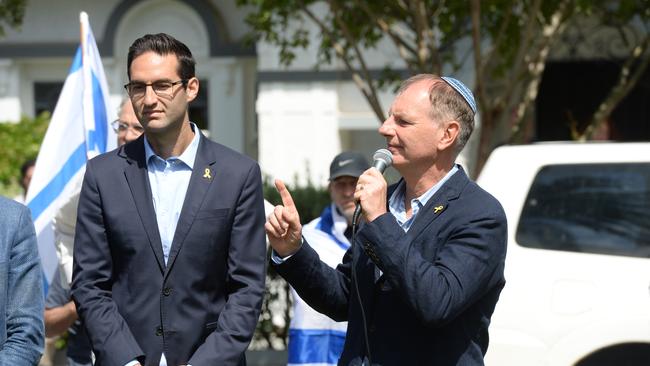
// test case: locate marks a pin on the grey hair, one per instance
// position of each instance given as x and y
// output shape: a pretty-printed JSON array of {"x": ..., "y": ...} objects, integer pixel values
[
  {"x": 446, "y": 104},
  {"x": 121, "y": 107}
]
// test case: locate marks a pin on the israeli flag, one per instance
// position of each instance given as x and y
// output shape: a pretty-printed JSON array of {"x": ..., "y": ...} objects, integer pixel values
[
  {"x": 315, "y": 339},
  {"x": 79, "y": 129}
]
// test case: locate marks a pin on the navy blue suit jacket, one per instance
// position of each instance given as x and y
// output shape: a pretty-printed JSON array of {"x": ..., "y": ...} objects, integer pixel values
[
  {"x": 202, "y": 307},
  {"x": 441, "y": 281}
]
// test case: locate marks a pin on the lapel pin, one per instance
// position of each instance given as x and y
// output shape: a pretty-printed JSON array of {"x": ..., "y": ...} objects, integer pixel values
[
  {"x": 437, "y": 209},
  {"x": 206, "y": 174}
]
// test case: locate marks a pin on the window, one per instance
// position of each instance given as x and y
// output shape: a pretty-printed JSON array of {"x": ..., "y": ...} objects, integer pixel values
[
  {"x": 569, "y": 94},
  {"x": 594, "y": 208},
  {"x": 46, "y": 95}
]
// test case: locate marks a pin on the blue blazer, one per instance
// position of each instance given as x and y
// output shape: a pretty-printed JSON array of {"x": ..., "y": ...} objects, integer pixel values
[
  {"x": 441, "y": 281},
  {"x": 21, "y": 287},
  {"x": 202, "y": 307}
]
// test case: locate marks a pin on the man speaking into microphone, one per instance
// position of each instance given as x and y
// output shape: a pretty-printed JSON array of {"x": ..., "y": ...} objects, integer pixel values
[{"x": 420, "y": 283}]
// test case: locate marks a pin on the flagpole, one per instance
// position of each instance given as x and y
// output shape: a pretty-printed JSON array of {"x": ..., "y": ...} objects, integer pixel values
[{"x": 83, "y": 28}]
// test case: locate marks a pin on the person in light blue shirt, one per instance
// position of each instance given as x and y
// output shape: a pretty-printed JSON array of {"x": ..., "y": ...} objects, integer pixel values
[{"x": 21, "y": 287}]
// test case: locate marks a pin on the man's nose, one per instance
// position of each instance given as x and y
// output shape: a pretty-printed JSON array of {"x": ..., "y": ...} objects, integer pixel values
[
  {"x": 349, "y": 189},
  {"x": 150, "y": 96},
  {"x": 386, "y": 128}
]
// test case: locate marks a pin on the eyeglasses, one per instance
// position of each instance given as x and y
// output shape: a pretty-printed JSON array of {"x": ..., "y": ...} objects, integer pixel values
[
  {"x": 162, "y": 88},
  {"x": 121, "y": 126}
]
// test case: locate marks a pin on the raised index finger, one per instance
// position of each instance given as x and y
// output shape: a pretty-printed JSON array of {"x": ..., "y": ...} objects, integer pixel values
[{"x": 287, "y": 200}]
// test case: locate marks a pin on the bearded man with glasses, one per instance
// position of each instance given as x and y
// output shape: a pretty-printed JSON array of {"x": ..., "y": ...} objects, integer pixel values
[{"x": 169, "y": 257}]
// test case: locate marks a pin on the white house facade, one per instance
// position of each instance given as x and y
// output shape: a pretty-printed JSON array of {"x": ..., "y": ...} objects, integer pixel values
[{"x": 292, "y": 120}]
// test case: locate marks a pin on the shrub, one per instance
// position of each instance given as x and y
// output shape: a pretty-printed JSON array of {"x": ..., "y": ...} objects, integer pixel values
[
  {"x": 19, "y": 142},
  {"x": 310, "y": 200}
]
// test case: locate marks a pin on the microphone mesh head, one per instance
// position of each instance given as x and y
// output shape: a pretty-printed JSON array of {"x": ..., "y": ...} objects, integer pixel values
[{"x": 383, "y": 155}]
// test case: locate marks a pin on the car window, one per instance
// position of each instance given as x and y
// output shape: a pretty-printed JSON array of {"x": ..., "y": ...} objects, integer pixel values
[{"x": 593, "y": 208}]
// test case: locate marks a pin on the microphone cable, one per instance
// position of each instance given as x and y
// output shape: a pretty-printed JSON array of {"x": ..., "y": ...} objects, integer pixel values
[
  {"x": 355, "y": 222},
  {"x": 382, "y": 160}
]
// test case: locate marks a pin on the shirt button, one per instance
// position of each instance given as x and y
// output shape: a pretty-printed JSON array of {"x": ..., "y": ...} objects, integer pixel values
[
  {"x": 159, "y": 331},
  {"x": 167, "y": 291}
]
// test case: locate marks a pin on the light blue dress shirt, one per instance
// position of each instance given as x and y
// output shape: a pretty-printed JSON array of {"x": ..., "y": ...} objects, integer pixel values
[
  {"x": 396, "y": 202},
  {"x": 169, "y": 179}
]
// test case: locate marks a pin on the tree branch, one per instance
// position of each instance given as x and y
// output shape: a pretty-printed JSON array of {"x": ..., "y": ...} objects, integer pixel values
[
  {"x": 436, "y": 62},
  {"x": 500, "y": 37},
  {"x": 420, "y": 29},
  {"x": 475, "y": 10},
  {"x": 364, "y": 69},
  {"x": 526, "y": 90},
  {"x": 363, "y": 83},
  {"x": 520, "y": 62},
  {"x": 405, "y": 50},
  {"x": 557, "y": 27},
  {"x": 622, "y": 88},
  {"x": 430, "y": 51}
]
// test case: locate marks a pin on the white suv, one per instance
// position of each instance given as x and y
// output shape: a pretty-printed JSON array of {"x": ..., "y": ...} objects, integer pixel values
[{"x": 578, "y": 265}]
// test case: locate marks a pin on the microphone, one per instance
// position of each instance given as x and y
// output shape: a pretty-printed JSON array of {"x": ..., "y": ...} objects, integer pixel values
[{"x": 382, "y": 160}]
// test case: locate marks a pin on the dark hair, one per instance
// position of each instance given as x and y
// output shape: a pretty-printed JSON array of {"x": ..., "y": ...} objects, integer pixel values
[
  {"x": 26, "y": 165},
  {"x": 446, "y": 104},
  {"x": 163, "y": 44}
]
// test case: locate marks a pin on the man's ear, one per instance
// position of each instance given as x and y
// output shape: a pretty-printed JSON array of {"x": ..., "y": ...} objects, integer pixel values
[
  {"x": 192, "y": 89},
  {"x": 449, "y": 134}
]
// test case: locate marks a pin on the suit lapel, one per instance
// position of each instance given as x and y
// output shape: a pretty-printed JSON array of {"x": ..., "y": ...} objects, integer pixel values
[
  {"x": 438, "y": 203},
  {"x": 202, "y": 176},
  {"x": 138, "y": 181},
  {"x": 434, "y": 208}
]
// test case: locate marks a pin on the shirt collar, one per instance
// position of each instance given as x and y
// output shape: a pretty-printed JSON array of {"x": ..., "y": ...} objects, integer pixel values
[
  {"x": 423, "y": 199},
  {"x": 396, "y": 201},
  {"x": 188, "y": 156}
]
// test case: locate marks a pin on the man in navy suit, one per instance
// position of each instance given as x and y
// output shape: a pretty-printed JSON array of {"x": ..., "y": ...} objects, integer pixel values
[
  {"x": 429, "y": 259},
  {"x": 169, "y": 253}
]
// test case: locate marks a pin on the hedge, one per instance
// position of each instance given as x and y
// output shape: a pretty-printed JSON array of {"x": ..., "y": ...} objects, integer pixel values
[{"x": 19, "y": 142}]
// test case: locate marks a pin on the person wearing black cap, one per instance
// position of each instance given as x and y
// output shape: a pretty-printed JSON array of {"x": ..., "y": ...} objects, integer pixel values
[
  {"x": 345, "y": 169},
  {"x": 313, "y": 337},
  {"x": 430, "y": 257}
]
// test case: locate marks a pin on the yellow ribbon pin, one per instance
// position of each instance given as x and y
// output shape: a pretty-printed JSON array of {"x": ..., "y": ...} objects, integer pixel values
[
  {"x": 438, "y": 209},
  {"x": 206, "y": 174}
]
